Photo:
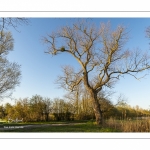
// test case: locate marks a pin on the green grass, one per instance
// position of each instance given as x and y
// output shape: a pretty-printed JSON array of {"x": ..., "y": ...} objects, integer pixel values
[
  {"x": 39, "y": 123},
  {"x": 73, "y": 128},
  {"x": 87, "y": 127},
  {"x": 110, "y": 125}
]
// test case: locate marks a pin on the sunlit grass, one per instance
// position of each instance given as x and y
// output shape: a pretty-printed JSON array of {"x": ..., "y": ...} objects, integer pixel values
[
  {"x": 110, "y": 125},
  {"x": 84, "y": 127}
]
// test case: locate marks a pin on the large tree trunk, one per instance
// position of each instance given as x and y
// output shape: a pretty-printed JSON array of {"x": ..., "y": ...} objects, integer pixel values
[
  {"x": 96, "y": 107},
  {"x": 95, "y": 102}
]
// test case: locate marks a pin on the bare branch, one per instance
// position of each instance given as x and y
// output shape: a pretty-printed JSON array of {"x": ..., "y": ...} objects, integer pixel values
[
  {"x": 9, "y": 77},
  {"x": 12, "y": 22},
  {"x": 70, "y": 80}
]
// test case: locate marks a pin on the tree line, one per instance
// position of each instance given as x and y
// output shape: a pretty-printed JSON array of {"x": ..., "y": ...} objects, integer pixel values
[{"x": 38, "y": 108}]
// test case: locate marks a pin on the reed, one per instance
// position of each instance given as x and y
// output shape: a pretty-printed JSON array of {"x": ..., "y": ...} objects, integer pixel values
[{"x": 129, "y": 125}]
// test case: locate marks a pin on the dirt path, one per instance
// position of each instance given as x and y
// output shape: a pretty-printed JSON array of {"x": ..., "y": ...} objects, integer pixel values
[{"x": 7, "y": 127}]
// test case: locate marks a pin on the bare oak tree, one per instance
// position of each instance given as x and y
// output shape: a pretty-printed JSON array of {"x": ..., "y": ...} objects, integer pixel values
[{"x": 101, "y": 55}]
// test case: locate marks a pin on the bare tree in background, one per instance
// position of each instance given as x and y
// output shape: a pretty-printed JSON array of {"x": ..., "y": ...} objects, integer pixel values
[
  {"x": 7, "y": 22},
  {"x": 9, "y": 78},
  {"x": 100, "y": 54},
  {"x": 9, "y": 72},
  {"x": 74, "y": 98}
]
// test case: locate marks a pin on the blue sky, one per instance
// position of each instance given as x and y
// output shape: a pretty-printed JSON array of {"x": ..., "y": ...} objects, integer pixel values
[{"x": 40, "y": 70}]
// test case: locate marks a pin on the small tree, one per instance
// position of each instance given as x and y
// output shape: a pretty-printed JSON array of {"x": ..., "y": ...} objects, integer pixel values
[{"x": 100, "y": 54}]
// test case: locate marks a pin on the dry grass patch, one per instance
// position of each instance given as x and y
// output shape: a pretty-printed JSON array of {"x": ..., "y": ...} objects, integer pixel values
[{"x": 129, "y": 125}]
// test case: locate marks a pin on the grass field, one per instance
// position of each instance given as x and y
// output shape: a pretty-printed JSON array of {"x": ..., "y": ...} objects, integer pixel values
[
  {"x": 74, "y": 126},
  {"x": 110, "y": 125}
]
